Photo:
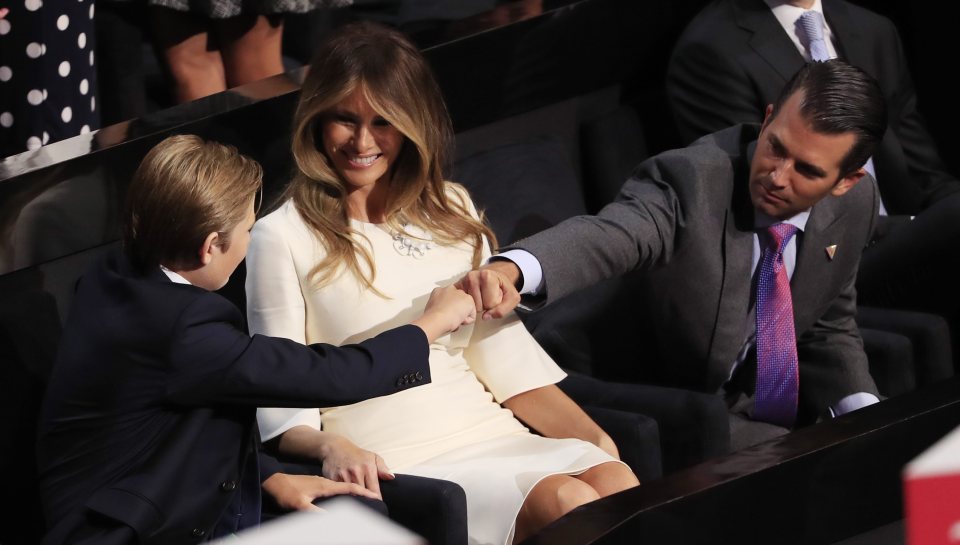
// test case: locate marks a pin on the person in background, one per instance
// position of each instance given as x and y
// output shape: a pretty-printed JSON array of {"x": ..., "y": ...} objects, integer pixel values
[
  {"x": 214, "y": 45},
  {"x": 48, "y": 78}
]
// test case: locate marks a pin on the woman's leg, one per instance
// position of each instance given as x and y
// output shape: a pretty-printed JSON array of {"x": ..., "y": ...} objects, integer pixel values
[
  {"x": 609, "y": 478},
  {"x": 191, "y": 56},
  {"x": 557, "y": 495},
  {"x": 251, "y": 47},
  {"x": 549, "y": 500}
]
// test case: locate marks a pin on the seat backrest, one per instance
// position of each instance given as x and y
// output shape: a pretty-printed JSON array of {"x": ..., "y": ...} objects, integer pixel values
[
  {"x": 31, "y": 300},
  {"x": 532, "y": 171}
]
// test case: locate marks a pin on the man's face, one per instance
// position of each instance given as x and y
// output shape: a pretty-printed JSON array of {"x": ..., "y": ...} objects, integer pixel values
[{"x": 794, "y": 166}]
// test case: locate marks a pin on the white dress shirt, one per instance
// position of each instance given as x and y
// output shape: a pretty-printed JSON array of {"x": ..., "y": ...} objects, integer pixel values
[{"x": 174, "y": 277}]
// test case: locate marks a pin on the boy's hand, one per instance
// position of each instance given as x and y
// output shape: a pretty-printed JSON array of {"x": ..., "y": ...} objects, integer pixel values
[
  {"x": 447, "y": 309},
  {"x": 493, "y": 288},
  {"x": 297, "y": 492}
]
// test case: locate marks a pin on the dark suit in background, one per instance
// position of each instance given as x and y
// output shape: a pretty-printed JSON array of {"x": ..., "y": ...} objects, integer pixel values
[
  {"x": 686, "y": 219},
  {"x": 734, "y": 58},
  {"x": 148, "y": 425}
]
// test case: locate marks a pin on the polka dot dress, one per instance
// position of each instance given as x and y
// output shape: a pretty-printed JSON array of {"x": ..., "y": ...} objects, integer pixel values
[
  {"x": 222, "y": 9},
  {"x": 47, "y": 74}
]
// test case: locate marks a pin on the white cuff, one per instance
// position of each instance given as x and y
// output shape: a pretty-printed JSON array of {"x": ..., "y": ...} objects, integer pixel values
[
  {"x": 853, "y": 402},
  {"x": 529, "y": 268}
]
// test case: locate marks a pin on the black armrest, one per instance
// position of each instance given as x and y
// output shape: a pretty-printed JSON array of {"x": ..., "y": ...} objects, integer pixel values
[
  {"x": 693, "y": 426},
  {"x": 434, "y": 508},
  {"x": 637, "y": 438}
]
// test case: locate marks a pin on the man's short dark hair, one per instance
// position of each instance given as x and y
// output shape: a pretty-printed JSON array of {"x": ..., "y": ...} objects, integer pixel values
[{"x": 838, "y": 98}]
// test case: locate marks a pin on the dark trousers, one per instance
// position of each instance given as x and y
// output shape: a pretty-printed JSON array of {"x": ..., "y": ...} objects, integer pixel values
[{"x": 433, "y": 508}]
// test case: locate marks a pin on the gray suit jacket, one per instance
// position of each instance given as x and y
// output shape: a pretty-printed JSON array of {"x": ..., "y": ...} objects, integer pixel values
[
  {"x": 685, "y": 218},
  {"x": 734, "y": 58}
]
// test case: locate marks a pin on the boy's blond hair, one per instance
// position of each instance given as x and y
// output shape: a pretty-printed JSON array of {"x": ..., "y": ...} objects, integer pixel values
[{"x": 183, "y": 190}]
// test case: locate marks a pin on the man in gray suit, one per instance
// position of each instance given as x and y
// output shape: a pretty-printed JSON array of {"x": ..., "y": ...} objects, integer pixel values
[
  {"x": 733, "y": 59},
  {"x": 695, "y": 220}
]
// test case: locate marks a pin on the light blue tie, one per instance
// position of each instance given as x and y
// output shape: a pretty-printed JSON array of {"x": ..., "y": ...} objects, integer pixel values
[{"x": 811, "y": 23}]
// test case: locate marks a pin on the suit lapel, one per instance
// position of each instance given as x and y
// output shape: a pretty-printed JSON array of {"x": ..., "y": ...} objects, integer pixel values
[
  {"x": 734, "y": 297},
  {"x": 850, "y": 44},
  {"x": 728, "y": 329},
  {"x": 768, "y": 39},
  {"x": 812, "y": 259}
]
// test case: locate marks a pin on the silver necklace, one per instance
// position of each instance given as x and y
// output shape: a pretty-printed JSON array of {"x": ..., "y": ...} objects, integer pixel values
[{"x": 412, "y": 241}]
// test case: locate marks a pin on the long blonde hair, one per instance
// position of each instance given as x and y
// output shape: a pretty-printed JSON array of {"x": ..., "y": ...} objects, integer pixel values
[{"x": 398, "y": 84}]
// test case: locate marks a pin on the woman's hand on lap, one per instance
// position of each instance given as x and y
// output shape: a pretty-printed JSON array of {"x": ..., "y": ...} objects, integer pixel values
[{"x": 346, "y": 462}]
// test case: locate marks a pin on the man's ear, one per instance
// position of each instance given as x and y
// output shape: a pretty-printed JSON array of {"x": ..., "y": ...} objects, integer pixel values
[
  {"x": 847, "y": 182},
  {"x": 767, "y": 116},
  {"x": 209, "y": 244}
]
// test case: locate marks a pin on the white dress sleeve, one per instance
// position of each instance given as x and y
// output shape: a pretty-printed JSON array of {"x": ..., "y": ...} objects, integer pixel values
[
  {"x": 502, "y": 353},
  {"x": 275, "y": 307},
  {"x": 508, "y": 360}
]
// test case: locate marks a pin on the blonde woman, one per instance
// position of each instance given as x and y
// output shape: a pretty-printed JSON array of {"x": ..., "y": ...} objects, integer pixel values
[{"x": 367, "y": 229}]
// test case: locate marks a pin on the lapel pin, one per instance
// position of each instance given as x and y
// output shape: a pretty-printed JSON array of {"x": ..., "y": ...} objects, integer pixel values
[{"x": 831, "y": 251}]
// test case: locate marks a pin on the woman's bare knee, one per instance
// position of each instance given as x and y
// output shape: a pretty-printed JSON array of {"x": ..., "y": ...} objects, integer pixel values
[
  {"x": 573, "y": 493},
  {"x": 609, "y": 478},
  {"x": 549, "y": 500}
]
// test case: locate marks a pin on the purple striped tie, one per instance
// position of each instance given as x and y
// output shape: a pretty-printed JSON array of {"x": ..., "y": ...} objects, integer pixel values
[{"x": 777, "y": 375}]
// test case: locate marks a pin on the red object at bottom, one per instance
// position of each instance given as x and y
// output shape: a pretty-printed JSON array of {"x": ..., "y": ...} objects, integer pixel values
[{"x": 932, "y": 508}]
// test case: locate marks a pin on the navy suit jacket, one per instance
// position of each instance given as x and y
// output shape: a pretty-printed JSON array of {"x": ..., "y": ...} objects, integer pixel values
[
  {"x": 734, "y": 58},
  {"x": 149, "y": 417}
]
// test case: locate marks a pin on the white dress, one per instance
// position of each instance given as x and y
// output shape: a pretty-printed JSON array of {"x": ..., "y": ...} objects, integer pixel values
[{"x": 453, "y": 428}]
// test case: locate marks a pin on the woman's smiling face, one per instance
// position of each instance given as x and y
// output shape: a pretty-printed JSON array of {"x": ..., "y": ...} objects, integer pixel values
[{"x": 360, "y": 143}]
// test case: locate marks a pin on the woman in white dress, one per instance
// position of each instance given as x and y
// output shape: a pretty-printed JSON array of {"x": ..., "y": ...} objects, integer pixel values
[{"x": 367, "y": 228}]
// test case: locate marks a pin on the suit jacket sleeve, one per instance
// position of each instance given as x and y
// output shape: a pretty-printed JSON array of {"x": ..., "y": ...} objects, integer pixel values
[
  {"x": 637, "y": 230},
  {"x": 213, "y": 361}
]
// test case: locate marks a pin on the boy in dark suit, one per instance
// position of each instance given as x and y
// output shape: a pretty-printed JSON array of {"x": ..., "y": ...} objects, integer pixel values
[{"x": 147, "y": 432}]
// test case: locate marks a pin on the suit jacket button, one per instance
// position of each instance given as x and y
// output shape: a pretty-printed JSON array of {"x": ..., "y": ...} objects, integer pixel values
[
  {"x": 228, "y": 486},
  {"x": 419, "y": 376},
  {"x": 197, "y": 532},
  {"x": 400, "y": 382}
]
